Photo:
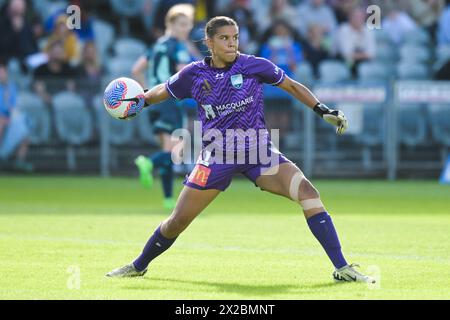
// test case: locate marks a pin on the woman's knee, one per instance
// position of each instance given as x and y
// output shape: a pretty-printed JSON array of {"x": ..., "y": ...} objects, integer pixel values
[{"x": 308, "y": 191}]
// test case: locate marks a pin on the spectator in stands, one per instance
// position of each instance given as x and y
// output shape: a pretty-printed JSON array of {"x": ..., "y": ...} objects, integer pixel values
[
  {"x": 315, "y": 48},
  {"x": 397, "y": 23},
  {"x": 342, "y": 8},
  {"x": 443, "y": 33},
  {"x": 89, "y": 74},
  {"x": 316, "y": 12},
  {"x": 54, "y": 76},
  {"x": 354, "y": 42},
  {"x": 281, "y": 47},
  {"x": 240, "y": 11},
  {"x": 86, "y": 31},
  {"x": 13, "y": 125},
  {"x": 69, "y": 39},
  {"x": 17, "y": 38},
  {"x": 278, "y": 10},
  {"x": 426, "y": 13}
]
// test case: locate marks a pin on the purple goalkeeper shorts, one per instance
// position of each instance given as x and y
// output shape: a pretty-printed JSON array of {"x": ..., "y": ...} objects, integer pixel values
[{"x": 208, "y": 174}]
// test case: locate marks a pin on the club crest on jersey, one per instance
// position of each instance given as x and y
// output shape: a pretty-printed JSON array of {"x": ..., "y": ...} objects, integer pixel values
[{"x": 237, "y": 81}]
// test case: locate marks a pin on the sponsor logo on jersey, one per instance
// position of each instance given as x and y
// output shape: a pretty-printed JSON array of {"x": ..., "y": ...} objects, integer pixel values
[
  {"x": 206, "y": 87},
  {"x": 222, "y": 110},
  {"x": 237, "y": 80}
]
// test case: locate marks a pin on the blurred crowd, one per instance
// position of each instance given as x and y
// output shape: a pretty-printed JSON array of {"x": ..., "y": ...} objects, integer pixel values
[{"x": 39, "y": 52}]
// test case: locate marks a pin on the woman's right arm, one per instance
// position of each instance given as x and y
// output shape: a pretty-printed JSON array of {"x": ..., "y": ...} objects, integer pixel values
[{"x": 156, "y": 94}]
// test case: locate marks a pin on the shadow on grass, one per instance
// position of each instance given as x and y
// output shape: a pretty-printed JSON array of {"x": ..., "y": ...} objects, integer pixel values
[{"x": 239, "y": 288}]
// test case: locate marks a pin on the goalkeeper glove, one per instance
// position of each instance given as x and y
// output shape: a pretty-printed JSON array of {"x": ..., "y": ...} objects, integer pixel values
[{"x": 334, "y": 117}]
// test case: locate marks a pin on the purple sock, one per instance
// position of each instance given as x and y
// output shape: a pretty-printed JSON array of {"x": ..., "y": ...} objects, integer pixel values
[
  {"x": 156, "y": 245},
  {"x": 323, "y": 229}
]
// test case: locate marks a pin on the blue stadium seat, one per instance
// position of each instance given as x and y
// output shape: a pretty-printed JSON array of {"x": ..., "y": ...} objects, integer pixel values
[
  {"x": 127, "y": 8},
  {"x": 119, "y": 132},
  {"x": 119, "y": 67},
  {"x": 374, "y": 71},
  {"x": 304, "y": 73},
  {"x": 382, "y": 37},
  {"x": 412, "y": 71},
  {"x": 440, "y": 123},
  {"x": 442, "y": 56},
  {"x": 72, "y": 119},
  {"x": 15, "y": 74},
  {"x": 104, "y": 35},
  {"x": 129, "y": 48},
  {"x": 38, "y": 117},
  {"x": 373, "y": 126},
  {"x": 372, "y": 133},
  {"x": 412, "y": 127},
  {"x": 415, "y": 54},
  {"x": 386, "y": 53},
  {"x": 332, "y": 71},
  {"x": 417, "y": 37}
]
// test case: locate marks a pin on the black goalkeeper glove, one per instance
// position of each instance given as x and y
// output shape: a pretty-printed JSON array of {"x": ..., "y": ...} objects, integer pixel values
[{"x": 334, "y": 117}]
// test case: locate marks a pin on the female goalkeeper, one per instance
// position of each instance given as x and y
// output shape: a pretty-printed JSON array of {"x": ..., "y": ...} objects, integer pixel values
[{"x": 228, "y": 87}]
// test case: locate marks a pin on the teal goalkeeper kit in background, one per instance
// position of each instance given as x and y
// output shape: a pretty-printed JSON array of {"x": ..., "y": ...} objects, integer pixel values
[{"x": 163, "y": 60}]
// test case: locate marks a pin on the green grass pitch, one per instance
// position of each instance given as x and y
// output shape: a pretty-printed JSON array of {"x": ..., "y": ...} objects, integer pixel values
[{"x": 60, "y": 235}]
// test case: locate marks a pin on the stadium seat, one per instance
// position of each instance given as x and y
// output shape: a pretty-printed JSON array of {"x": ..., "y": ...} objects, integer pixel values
[
  {"x": 382, "y": 37},
  {"x": 372, "y": 133},
  {"x": 415, "y": 54},
  {"x": 440, "y": 123},
  {"x": 332, "y": 71},
  {"x": 129, "y": 48},
  {"x": 408, "y": 71},
  {"x": 417, "y": 37},
  {"x": 72, "y": 119},
  {"x": 373, "y": 126},
  {"x": 104, "y": 35},
  {"x": 412, "y": 128},
  {"x": 127, "y": 8},
  {"x": 38, "y": 117},
  {"x": 386, "y": 53},
  {"x": 373, "y": 71},
  {"x": 119, "y": 132},
  {"x": 442, "y": 56},
  {"x": 15, "y": 74},
  {"x": 304, "y": 73},
  {"x": 119, "y": 67}
]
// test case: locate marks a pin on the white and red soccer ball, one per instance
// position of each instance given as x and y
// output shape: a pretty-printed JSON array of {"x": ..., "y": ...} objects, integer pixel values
[{"x": 123, "y": 98}]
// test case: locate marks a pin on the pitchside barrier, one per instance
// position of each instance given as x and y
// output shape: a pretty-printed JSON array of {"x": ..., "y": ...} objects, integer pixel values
[{"x": 396, "y": 129}]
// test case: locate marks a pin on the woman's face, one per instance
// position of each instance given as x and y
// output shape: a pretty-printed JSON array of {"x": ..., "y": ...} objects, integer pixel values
[
  {"x": 182, "y": 27},
  {"x": 224, "y": 45}
]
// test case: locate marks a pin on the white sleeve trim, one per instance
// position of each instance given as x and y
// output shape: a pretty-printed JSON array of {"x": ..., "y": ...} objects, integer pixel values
[
  {"x": 170, "y": 91},
  {"x": 278, "y": 82}
]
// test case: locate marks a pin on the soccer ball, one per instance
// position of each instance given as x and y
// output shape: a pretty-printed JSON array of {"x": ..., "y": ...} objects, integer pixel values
[{"x": 123, "y": 98}]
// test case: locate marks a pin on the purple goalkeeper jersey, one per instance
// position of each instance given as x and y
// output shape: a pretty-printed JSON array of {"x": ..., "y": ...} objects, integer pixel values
[{"x": 228, "y": 98}]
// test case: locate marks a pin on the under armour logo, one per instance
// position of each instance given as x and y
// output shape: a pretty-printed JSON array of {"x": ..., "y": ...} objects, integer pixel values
[{"x": 219, "y": 76}]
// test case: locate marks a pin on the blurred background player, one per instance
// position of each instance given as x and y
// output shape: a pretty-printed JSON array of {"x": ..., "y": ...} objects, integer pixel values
[
  {"x": 169, "y": 55},
  {"x": 14, "y": 131}
]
